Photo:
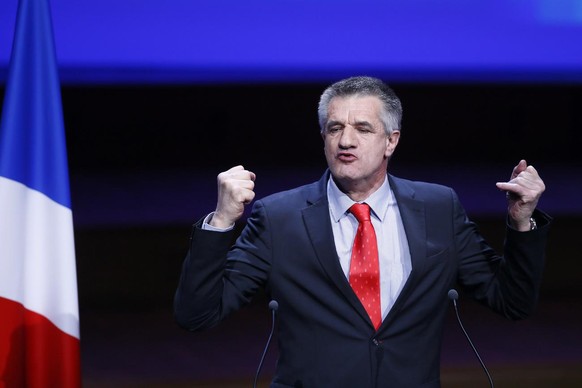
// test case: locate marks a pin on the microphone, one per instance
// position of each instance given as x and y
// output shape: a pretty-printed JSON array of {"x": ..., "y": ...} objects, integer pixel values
[
  {"x": 454, "y": 295},
  {"x": 273, "y": 306}
]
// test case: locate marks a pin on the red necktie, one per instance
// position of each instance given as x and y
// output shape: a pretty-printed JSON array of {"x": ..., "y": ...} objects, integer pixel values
[{"x": 364, "y": 270}]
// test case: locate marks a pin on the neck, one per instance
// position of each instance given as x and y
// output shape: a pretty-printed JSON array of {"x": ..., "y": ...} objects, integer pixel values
[{"x": 359, "y": 190}]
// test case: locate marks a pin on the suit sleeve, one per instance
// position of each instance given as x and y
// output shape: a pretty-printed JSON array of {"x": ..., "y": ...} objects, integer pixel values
[
  {"x": 217, "y": 279},
  {"x": 509, "y": 284}
]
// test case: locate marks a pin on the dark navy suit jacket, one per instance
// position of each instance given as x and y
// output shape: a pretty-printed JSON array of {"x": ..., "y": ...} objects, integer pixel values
[{"x": 325, "y": 337}]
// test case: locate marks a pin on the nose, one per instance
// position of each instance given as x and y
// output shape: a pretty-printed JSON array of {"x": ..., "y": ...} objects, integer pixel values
[{"x": 347, "y": 138}]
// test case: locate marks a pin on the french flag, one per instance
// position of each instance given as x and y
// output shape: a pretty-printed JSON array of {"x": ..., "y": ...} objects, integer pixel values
[{"x": 39, "y": 314}]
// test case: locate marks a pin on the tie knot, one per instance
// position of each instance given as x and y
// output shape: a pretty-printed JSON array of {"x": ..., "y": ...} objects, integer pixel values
[{"x": 361, "y": 211}]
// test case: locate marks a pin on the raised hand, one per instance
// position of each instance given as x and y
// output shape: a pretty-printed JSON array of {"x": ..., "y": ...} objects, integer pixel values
[
  {"x": 524, "y": 190},
  {"x": 235, "y": 190}
]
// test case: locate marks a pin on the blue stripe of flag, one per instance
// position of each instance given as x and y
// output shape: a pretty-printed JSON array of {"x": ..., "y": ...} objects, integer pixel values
[{"x": 32, "y": 136}]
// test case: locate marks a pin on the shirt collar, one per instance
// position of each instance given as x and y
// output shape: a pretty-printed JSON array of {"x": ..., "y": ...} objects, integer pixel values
[{"x": 339, "y": 202}]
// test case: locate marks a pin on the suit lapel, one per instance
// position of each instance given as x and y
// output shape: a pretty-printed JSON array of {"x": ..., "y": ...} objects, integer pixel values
[
  {"x": 412, "y": 213},
  {"x": 317, "y": 222}
]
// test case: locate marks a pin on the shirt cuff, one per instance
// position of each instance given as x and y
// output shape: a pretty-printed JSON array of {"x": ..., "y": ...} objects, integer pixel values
[{"x": 206, "y": 225}]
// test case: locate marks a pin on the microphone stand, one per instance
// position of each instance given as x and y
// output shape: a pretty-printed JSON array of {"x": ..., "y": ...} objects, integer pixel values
[
  {"x": 273, "y": 306},
  {"x": 454, "y": 295}
]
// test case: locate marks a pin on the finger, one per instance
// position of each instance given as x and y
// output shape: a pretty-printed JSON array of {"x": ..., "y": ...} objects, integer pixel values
[
  {"x": 530, "y": 174},
  {"x": 234, "y": 169},
  {"x": 529, "y": 179},
  {"x": 521, "y": 183},
  {"x": 519, "y": 191},
  {"x": 521, "y": 166},
  {"x": 248, "y": 196},
  {"x": 244, "y": 175},
  {"x": 244, "y": 184},
  {"x": 243, "y": 196},
  {"x": 233, "y": 186},
  {"x": 241, "y": 173},
  {"x": 516, "y": 188},
  {"x": 509, "y": 187},
  {"x": 234, "y": 174}
]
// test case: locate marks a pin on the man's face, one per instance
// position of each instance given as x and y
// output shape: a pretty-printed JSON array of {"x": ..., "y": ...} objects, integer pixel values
[{"x": 356, "y": 146}]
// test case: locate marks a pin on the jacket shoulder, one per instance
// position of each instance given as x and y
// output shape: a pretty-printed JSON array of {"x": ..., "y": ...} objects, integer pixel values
[
  {"x": 300, "y": 195},
  {"x": 419, "y": 188}
]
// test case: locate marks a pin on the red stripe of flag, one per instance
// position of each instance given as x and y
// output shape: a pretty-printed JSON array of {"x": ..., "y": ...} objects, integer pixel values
[{"x": 33, "y": 350}]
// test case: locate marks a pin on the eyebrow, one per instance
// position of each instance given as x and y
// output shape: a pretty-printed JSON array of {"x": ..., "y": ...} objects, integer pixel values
[
  {"x": 332, "y": 123},
  {"x": 361, "y": 123}
]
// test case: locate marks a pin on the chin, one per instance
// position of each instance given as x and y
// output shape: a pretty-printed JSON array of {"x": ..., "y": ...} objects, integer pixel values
[{"x": 344, "y": 174}]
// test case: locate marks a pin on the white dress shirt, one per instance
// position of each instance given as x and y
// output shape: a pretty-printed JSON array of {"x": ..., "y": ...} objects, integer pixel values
[{"x": 393, "y": 251}]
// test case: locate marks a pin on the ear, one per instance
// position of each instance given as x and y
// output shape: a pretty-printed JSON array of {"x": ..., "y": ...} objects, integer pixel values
[{"x": 391, "y": 143}]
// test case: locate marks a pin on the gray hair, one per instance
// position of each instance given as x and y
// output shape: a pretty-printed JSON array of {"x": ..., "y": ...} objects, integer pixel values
[{"x": 391, "y": 114}]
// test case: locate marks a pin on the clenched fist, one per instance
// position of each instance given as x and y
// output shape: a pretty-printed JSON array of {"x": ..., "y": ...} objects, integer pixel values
[{"x": 235, "y": 190}]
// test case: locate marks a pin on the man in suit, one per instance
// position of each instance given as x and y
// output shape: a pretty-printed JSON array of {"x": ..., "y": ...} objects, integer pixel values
[{"x": 362, "y": 299}]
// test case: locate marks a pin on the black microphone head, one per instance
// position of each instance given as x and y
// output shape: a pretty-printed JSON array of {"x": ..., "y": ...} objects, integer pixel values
[
  {"x": 273, "y": 305},
  {"x": 453, "y": 294}
]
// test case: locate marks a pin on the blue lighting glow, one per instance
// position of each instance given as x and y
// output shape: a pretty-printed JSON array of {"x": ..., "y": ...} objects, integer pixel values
[{"x": 306, "y": 40}]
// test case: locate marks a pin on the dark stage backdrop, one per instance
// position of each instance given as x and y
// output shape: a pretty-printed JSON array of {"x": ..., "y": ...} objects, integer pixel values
[
  {"x": 136, "y": 128},
  {"x": 147, "y": 156},
  {"x": 143, "y": 162}
]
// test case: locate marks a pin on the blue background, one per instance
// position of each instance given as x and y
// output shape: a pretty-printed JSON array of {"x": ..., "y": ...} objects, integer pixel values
[{"x": 149, "y": 41}]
